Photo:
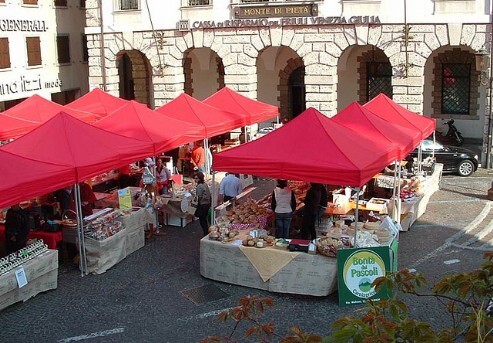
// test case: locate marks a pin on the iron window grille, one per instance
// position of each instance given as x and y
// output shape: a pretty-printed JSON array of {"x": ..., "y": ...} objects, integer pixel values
[
  {"x": 456, "y": 84},
  {"x": 379, "y": 79}
]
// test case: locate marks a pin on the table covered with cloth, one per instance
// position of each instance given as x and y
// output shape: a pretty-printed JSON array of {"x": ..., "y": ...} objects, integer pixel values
[
  {"x": 268, "y": 268},
  {"x": 52, "y": 239}
]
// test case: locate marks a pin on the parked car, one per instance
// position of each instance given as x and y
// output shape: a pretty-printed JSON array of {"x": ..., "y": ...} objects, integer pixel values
[{"x": 454, "y": 159}]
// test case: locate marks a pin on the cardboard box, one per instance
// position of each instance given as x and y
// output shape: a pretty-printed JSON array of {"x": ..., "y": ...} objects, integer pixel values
[{"x": 377, "y": 204}]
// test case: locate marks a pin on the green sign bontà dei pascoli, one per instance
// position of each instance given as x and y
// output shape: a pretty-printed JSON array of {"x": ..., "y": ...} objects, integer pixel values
[{"x": 357, "y": 268}]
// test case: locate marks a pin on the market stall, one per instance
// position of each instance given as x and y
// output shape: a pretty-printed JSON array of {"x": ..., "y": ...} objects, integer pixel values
[
  {"x": 88, "y": 151},
  {"x": 32, "y": 112},
  {"x": 330, "y": 154},
  {"x": 252, "y": 110},
  {"x": 98, "y": 102}
]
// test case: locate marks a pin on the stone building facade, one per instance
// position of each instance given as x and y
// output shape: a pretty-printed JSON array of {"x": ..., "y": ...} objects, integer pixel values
[{"x": 321, "y": 54}]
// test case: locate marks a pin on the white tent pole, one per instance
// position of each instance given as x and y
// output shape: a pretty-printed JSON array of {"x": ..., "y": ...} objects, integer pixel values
[
  {"x": 213, "y": 198},
  {"x": 356, "y": 216},
  {"x": 156, "y": 215},
  {"x": 433, "y": 150},
  {"x": 80, "y": 231},
  {"x": 394, "y": 190},
  {"x": 397, "y": 203}
]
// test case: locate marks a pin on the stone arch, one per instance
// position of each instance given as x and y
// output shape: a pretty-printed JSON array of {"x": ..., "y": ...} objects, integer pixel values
[
  {"x": 285, "y": 91},
  {"x": 453, "y": 55},
  {"x": 368, "y": 59},
  {"x": 135, "y": 79},
  {"x": 202, "y": 61}
]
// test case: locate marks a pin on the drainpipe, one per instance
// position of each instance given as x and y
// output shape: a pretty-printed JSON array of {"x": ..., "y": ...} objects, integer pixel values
[
  {"x": 490, "y": 91},
  {"x": 103, "y": 58}
]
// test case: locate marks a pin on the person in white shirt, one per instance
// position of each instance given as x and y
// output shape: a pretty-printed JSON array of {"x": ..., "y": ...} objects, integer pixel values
[
  {"x": 229, "y": 187},
  {"x": 283, "y": 203},
  {"x": 163, "y": 177}
]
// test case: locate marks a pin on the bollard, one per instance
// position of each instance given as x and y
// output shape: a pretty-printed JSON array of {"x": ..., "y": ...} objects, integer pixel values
[{"x": 490, "y": 192}]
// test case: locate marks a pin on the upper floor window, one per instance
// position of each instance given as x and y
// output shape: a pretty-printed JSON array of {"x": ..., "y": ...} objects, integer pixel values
[
  {"x": 61, "y": 3},
  {"x": 85, "y": 52},
  {"x": 198, "y": 2},
  {"x": 2, "y": 1},
  {"x": 30, "y": 2},
  {"x": 33, "y": 45},
  {"x": 4, "y": 53},
  {"x": 125, "y": 5},
  {"x": 63, "y": 48},
  {"x": 456, "y": 82}
]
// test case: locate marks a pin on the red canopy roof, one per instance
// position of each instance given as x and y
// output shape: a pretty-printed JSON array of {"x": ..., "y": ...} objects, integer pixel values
[
  {"x": 137, "y": 121},
  {"x": 23, "y": 178},
  {"x": 386, "y": 108},
  {"x": 32, "y": 112},
  {"x": 11, "y": 127},
  {"x": 67, "y": 141},
  {"x": 381, "y": 131},
  {"x": 254, "y": 111},
  {"x": 312, "y": 148},
  {"x": 213, "y": 120},
  {"x": 97, "y": 101}
]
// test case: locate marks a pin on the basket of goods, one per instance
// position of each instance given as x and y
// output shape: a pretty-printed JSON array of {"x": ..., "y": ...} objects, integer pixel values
[
  {"x": 328, "y": 246},
  {"x": 222, "y": 234},
  {"x": 248, "y": 215}
]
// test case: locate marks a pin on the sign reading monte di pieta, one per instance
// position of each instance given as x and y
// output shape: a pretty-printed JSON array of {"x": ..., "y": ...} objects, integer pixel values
[{"x": 308, "y": 10}]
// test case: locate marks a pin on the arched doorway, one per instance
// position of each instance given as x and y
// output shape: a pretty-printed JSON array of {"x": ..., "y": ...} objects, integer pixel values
[
  {"x": 134, "y": 76},
  {"x": 297, "y": 91},
  {"x": 126, "y": 78},
  {"x": 204, "y": 72}
]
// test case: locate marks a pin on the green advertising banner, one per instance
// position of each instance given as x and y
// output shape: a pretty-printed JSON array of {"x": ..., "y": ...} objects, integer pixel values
[{"x": 357, "y": 268}]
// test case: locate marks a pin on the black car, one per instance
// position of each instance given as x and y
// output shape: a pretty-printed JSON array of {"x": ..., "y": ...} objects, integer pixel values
[{"x": 454, "y": 159}]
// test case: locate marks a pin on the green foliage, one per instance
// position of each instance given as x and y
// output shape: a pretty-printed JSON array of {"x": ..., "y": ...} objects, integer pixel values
[{"x": 464, "y": 296}]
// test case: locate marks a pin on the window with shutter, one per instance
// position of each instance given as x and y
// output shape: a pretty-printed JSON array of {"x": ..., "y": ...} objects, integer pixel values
[
  {"x": 4, "y": 53},
  {"x": 63, "y": 49},
  {"x": 61, "y": 3},
  {"x": 30, "y": 2},
  {"x": 82, "y": 4},
  {"x": 85, "y": 52},
  {"x": 33, "y": 51}
]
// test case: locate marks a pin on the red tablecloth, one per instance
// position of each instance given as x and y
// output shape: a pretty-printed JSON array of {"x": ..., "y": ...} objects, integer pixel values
[{"x": 50, "y": 238}]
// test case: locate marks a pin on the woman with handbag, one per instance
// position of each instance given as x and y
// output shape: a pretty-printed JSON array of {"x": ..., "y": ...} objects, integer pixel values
[{"x": 204, "y": 201}]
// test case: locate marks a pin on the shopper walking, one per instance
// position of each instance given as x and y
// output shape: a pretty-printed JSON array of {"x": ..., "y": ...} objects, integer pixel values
[
  {"x": 283, "y": 204},
  {"x": 312, "y": 203},
  {"x": 204, "y": 201},
  {"x": 229, "y": 187}
]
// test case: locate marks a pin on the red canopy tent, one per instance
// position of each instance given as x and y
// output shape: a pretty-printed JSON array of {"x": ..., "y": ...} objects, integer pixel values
[
  {"x": 137, "y": 121},
  {"x": 213, "y": 120},
  {"x": 11, "y": 127},
  {"x": 32, "y": 112},
  {"x": 381, "y": 131},
  {"x": 312, "y": 148},
  {"x": 98, "y": 102},
  {"x": 386, "y": 108},
  {"x": 24, "y": 178},
  {"x": 252, "y": 110},
  {"x": 67, "y": 141}
]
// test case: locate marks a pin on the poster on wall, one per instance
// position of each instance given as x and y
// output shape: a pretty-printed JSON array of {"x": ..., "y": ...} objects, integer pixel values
[{"x": 357, "y": 268}]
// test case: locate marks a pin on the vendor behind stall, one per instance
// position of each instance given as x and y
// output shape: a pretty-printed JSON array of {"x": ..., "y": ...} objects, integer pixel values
[{"x": 16, "y": 228}]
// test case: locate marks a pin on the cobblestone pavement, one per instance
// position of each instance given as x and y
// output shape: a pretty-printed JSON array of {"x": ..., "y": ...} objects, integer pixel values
[{"x": 144, "y": 297}]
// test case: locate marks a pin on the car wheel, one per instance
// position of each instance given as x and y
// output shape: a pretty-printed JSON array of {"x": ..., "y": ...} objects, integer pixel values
[{"x": 465, "y": 168}]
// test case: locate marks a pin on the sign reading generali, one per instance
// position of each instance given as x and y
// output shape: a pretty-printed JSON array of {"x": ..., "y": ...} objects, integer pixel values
[{"x": 309, "y": 10}]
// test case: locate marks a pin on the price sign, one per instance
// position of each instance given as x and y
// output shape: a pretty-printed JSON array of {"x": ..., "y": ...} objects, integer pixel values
[{"x": 125, "y": 198}]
